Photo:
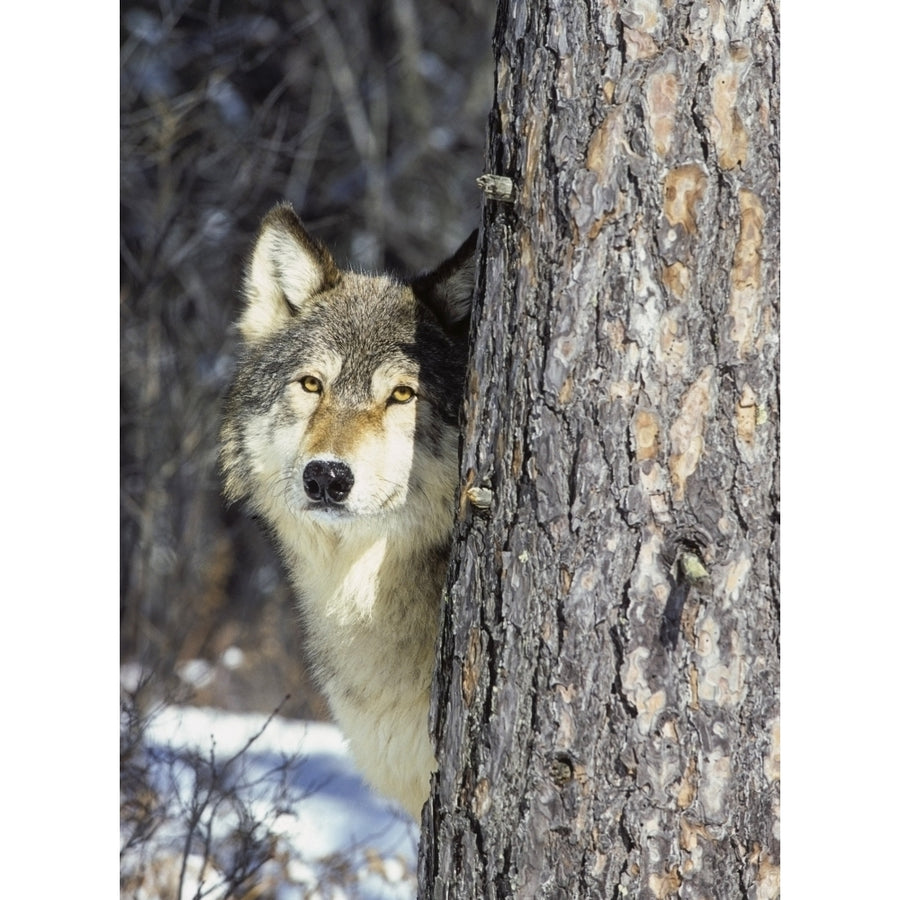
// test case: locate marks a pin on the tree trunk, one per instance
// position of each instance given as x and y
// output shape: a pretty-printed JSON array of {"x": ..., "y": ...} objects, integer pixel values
[{"x": 606, "y": 698}]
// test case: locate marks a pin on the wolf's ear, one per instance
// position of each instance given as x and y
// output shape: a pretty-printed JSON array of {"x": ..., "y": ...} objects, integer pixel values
[
  {"x": 287, "y": 268},
  {"x": 447, "y": 291}
]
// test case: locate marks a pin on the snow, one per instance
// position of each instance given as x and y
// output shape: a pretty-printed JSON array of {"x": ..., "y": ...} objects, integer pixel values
[{"x": 332, "y": 837}]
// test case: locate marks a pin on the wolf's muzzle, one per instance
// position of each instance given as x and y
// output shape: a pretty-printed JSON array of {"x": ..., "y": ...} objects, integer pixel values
[{"x": 327, "y": 481}]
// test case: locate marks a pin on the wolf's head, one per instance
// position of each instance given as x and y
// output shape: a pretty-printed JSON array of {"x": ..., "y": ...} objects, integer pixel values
[{"x": 345, "y": 406}]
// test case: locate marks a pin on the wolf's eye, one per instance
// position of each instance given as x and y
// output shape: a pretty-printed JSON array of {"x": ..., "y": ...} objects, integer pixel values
[
  {"x": 402, "y": 394},
  {"x": 311, "y": 384}
]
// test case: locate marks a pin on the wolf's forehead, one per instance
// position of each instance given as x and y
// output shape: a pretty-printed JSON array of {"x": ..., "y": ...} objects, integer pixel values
[
  {"x": 357, "y": 366},
  {"x": 351, "y": 367},
  {"x": 371, "y": 313}
]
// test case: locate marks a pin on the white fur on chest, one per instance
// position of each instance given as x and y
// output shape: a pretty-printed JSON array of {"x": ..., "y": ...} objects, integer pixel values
[{"x": 370, "y": 606}]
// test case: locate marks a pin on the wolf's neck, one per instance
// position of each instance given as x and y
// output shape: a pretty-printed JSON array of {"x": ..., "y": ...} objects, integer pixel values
[
  {"x": 348, "y": 582},
  {"x": 358, "y": 574}
]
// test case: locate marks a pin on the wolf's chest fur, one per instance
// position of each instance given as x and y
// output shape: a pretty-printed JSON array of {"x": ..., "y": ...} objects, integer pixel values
[
  {"x": 371, "y": 611},
  {"x": 341, "y": 431}
]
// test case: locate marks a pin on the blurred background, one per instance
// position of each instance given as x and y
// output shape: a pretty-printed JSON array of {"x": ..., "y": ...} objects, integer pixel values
[{"x": 370, "y": 117}]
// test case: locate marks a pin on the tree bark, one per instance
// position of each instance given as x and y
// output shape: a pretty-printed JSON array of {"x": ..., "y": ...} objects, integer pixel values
[{"x": 606, "y": 696}]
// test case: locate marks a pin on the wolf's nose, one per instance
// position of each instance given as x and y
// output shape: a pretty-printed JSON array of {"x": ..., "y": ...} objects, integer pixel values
[{"x": 327, "y": 481}]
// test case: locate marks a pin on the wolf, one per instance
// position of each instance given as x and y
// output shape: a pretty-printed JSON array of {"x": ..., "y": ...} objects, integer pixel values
[{"x": 341, "y": 431}]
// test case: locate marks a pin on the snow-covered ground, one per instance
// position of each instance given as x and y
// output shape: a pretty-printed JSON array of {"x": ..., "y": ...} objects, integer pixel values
[{"x": 319, "y": 831}]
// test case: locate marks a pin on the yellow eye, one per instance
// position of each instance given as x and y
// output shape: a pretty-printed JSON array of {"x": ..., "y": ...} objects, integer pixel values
[
  {"x": 402, "y": 394},
  {"x": 311, "y": 384}
]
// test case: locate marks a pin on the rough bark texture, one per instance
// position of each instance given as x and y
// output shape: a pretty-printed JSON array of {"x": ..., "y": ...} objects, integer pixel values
[{"x": 606, "y": 702}]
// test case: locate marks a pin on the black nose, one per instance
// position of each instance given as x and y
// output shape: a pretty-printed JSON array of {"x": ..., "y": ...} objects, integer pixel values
[{"x": 327, "y": 481}]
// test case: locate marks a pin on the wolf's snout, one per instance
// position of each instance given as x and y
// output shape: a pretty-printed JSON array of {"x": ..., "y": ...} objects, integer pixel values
[{"x": 327, "y": 481}]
